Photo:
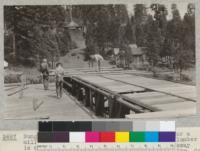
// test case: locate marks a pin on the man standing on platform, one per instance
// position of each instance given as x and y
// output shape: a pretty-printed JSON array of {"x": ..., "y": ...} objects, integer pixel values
[
  {"x": 44, "y": 69},
  {"x": 97, "y": 58},
  {"x": 59, "y": 73}
]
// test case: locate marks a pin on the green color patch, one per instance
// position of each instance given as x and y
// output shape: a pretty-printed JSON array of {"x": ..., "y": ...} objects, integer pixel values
[{"x": 137, "y": 136}]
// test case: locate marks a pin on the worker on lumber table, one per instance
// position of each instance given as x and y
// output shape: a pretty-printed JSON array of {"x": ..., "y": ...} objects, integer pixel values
[{"x": 96, "y": 58}]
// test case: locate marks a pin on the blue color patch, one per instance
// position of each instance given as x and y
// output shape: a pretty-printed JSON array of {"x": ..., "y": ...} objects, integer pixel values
[{"x": 151, "y": 137}]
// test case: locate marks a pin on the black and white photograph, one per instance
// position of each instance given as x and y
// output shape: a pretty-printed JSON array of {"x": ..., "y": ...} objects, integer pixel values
[{"x": 99, "y": 61}]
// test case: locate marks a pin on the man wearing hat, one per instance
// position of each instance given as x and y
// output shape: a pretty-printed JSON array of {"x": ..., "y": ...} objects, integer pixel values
[{"x": 44, "y": 69}]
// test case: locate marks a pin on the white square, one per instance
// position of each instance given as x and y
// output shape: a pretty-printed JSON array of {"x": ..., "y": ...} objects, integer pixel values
[
  {"x": 152, "y": 126},
  {"x": 167, "y": 126},
  {"x": 76, "y": 137}
]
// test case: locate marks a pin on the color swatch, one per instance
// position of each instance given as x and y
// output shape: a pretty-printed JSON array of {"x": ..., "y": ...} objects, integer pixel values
[
  {"x": 137, "y": 136},
  {"x": 106, "y": 131},
  {"x": 121, "y": 137},
  {"x": 92, "y": 137},
  {"x": 107, "y": 137},
  {"x": 151, "y": 137},
  {"x": 77, "y": 137}
]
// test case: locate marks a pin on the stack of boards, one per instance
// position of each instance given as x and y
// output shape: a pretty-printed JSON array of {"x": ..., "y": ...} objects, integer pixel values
[{"x": 171, "y": 99}]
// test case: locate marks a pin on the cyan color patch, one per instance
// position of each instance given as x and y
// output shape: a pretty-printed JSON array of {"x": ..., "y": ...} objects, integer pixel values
[{"x": 151, "y": 137}]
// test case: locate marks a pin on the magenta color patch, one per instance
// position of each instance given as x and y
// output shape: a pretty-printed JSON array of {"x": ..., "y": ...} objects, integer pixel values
[{"x": 92, "y": 136}]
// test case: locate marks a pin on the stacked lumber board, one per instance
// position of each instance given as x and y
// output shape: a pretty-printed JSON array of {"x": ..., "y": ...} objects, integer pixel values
[
  {"x": 170, "y": 98},
  {"x": 162, "y": 101},
  {"x": 112, "y": 85},
  {"x": 167, "y": 87}
]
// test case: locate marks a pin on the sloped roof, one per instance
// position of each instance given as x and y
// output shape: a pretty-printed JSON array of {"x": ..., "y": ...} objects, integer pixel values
[
  {"x": 78, "y": 21},
  {"x": 136, "y": 50},
  {"x": 72, "y": 24}
]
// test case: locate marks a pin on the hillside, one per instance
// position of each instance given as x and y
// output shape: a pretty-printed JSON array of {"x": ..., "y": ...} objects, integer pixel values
[{"x": 75, "y": 57}]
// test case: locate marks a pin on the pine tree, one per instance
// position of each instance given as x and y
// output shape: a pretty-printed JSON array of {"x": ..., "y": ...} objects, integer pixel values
[
  {"x": 189, "y": 31},
  {"x": 104, "y": 24},
  {"x": 160, "y": 13},
  {"x": 178, "y": 43},
  {"x": 35, "y": 32},
  {"x": 140, "y": 21},
  {"x": 153, "y": 42}
]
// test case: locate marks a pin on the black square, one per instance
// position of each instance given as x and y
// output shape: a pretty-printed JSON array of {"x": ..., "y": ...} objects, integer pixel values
[
  {"x": 85, "y": 126},
  {"x": 45, "y": 126},
  {"x": 60, "y": 126},
  {"x": 69, "y": 126},
  {"x": 45, "y": 137}
]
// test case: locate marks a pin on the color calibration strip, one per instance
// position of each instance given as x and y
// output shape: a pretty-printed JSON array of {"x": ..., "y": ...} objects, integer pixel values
[{"x": 112, "y": 131}]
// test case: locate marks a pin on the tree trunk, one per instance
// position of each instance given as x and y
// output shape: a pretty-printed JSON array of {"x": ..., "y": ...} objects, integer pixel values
[{"x": 180, "y": 74}]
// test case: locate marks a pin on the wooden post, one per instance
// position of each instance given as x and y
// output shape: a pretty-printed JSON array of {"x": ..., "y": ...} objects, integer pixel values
[
  {"x": 22, "y": 86},
  {"x": 73, "y": 88},
  {"x": 111, "y": 105},
  {"x": 14, "y": 47},
  {"x": 86, "y": 99},
  {"x": 99, "y": 104},
  {"x": 78, "y": 92},
  {"x": 91, "y": 98}
]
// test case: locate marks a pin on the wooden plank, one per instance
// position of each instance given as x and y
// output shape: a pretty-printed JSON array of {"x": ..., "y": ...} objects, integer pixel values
[
  {"x": 68, "y": 84},
  {"x": 106, "y": 70},
  {"x": 97, "y": 88},
  {"x": 52, "y": 107},
  {"x": 111, "y": 84},
  {"x": 163, "y": 114},
  {"x": 136, "y": 102},
  {"x": 11, "y": 88},
  {"x": 12, "y": 84},
  {"x": 102, "y": 72},
  {"x": 92, "y": 87},
  {"x": 146, "y": 95},
  {"x": 162, "y": 86},
  {"x": 86, "y": 68},
  {"x": 157, "y": 98},
  {"x": 20, "y": 89},
  {"x": 176, "y": 106},
  {"x": 163, "y": 100},
  {"x": 95, "y": 79},
  {"x": 124, "y": 88}
]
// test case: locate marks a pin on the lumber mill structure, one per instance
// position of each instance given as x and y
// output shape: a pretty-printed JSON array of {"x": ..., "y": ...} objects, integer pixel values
[
  {"x": 111, "y": 93},
  {"x": 118, "y": 93}
]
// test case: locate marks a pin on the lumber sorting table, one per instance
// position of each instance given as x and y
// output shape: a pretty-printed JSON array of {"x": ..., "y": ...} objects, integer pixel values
[{"x": 116, "y": 94}]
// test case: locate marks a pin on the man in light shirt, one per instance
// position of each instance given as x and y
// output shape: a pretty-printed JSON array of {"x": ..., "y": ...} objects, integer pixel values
[
  {"x": 96, "y": 58},
  {"x": 59, "y": 73},
  {"x": 44, "y": 69}
]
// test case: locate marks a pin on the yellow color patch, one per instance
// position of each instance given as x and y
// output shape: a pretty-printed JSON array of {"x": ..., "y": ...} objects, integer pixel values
[{"x": 121, "y": 137}]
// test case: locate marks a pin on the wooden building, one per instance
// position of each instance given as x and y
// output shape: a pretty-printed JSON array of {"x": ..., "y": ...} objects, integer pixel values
[{"x": 138, "y": 55}]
